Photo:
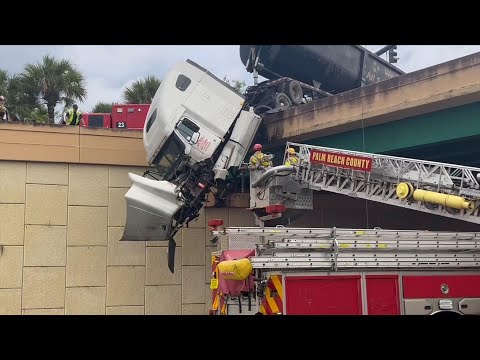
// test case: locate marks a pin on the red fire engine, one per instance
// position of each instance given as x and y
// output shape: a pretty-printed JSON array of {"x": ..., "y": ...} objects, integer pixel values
[{"x": 333, "y": 271}]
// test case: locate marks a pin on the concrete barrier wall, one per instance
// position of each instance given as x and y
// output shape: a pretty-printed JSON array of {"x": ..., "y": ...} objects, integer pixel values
[
  {"x": 60, "y": 253},
  {"x": 71, "y": 144}
]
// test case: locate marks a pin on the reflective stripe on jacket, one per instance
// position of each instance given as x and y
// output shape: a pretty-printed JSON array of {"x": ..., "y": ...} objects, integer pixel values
[{"x": 70, "y": 117}]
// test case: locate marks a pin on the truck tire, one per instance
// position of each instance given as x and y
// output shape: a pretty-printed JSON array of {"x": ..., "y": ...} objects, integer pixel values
[
  {"x": 282, "y": 101},
  {"x": 294, "y": 91}
]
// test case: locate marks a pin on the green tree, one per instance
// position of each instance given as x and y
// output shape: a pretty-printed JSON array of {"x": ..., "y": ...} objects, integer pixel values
[
  {"x": 38, "y": 115},
  {"x": 20, "y": 103},
  {"x": 238, "y": 85},
  {"x": 3, "y": 82},
  {"x": 52, "y": 82},
  {"x": 102, "y": 107},
  {"x": 142, "y": 91}
]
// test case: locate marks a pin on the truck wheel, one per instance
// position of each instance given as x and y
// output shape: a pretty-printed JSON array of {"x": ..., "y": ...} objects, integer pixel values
[
  {"x": 294, "y": 91},
  {"x": 282, "y": 100}
]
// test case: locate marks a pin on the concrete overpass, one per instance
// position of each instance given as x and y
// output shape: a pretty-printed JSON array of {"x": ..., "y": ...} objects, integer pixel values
[{"x": 431, "y": 113}]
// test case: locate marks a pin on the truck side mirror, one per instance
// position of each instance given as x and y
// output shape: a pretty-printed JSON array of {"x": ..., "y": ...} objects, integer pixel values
[{"x": 195, "y": 137}]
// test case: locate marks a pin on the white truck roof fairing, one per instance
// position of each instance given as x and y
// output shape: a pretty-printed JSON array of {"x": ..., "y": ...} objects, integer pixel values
[{"x": 188, "y": 90}]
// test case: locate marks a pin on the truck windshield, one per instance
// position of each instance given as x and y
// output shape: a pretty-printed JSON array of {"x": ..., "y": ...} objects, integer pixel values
[{"x": 167, "y": 159}]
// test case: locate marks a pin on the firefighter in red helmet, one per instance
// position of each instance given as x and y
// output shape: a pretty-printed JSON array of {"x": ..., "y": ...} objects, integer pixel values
[{"x": 258, "y": 159}]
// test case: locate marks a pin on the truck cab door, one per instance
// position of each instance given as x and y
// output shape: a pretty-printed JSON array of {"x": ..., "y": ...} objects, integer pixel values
[{"x": 203, "y": 142}]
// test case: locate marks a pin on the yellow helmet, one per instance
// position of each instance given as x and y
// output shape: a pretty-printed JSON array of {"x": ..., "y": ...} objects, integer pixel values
[{"x": 291, "y": 150}]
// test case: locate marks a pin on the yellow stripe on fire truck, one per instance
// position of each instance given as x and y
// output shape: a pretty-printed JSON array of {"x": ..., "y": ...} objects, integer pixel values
[{"x": 272, "y": 302}]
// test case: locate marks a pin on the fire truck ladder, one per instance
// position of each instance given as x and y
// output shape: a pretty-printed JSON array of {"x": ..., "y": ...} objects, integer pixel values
[
  {"x": 346, "y": 249},
  {"x": 438, "y": 188}
]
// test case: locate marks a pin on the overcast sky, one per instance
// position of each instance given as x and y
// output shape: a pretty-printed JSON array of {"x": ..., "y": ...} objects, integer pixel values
[{"x": 108, "y": 69}]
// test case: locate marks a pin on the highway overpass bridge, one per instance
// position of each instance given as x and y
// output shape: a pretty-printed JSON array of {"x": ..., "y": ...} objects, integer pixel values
[{"x": 431, "y": 114}]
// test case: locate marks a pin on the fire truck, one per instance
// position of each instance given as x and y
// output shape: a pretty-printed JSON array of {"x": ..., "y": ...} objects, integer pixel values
[
  {"x": 122, "y": 117},
  {"x": 336, "y": 271}
]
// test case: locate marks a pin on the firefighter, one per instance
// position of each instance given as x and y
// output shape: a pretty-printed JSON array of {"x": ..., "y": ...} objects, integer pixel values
[
  {"x": 292, "y": 159},
  {"x": 258, "y": 159},
  {"x": 73, "y": 116}
]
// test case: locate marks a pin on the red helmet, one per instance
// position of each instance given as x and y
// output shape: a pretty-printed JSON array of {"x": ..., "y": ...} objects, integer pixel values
[{"x": 257, "y": 147}]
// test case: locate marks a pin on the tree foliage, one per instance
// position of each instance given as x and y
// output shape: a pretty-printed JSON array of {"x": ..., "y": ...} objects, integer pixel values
[
  {"x": 238, "y": 85},
  {"x": 43, "y": 86},
  {"x": 142, "y": 91},
  {"x": 51, "y": 82},
  {"x": 3, "y": 82},
  {"x": 102, "y": 107}
]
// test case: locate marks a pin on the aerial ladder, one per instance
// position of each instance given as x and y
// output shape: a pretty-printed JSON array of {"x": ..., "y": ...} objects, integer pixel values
[
  {"x": 442, "y": 189},
  {"x": 446, "y": 190}
]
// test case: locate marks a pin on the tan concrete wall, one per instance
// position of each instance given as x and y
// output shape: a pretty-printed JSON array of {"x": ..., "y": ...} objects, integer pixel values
[
  {"x": 71, "y": 144},
  {"x": 60, "y": 253}
]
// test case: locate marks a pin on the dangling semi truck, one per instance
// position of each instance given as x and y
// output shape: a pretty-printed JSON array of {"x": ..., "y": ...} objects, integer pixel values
[{"x": 196, "y": 130}]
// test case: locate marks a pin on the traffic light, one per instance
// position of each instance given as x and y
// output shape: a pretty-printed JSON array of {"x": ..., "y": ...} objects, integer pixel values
[{"x": 392, "y": 55}]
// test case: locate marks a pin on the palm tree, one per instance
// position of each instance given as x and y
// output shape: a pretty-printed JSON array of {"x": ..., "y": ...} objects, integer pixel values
[
  {"x": 20, "y": 103},
  {"x": 142, "y": 91},
  {"x": 53, "y": 82},
  {"x": 3, "y": 82},
  {"x": 102, "y": 107}
]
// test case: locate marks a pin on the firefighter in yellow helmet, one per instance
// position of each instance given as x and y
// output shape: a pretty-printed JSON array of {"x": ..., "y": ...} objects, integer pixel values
[
  {"x": 292, "y": 159},
  {"x": 258, "y": 159}
]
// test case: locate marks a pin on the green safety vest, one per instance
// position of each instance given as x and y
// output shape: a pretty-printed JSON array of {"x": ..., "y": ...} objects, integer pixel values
[{"x": 70, "y": 117}]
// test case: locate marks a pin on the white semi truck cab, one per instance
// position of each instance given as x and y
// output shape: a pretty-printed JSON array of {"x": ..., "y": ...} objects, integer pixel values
[{"x": 197, "y": 128}]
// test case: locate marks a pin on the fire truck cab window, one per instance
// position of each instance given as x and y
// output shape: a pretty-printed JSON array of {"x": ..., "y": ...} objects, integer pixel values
[
  {"x": 182, "y": 82},
  {"x": 151, "y": 120}
]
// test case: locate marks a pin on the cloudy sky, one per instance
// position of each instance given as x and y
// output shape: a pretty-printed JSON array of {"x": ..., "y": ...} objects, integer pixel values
[{"x": 108, "y": 69}]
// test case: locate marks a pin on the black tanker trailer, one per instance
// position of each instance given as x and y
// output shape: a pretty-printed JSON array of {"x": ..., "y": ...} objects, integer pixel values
[{"x": 297, "y": 73}]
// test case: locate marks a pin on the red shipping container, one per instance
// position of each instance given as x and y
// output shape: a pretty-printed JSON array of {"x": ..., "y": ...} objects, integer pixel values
[{"x": 129, "y": 116}]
